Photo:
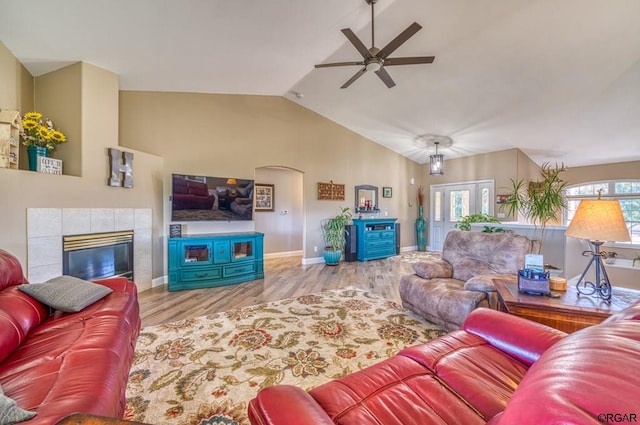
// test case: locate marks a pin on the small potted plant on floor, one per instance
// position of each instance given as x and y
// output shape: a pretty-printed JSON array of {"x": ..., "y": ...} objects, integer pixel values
[{"x": 334, "y": 234}]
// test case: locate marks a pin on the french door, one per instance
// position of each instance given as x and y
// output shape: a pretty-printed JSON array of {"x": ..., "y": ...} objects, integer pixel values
[{"x": 450, "y": 202}]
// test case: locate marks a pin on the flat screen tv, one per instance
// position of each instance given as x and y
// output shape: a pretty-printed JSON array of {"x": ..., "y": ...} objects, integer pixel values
[{"x": 211, "y": 198}]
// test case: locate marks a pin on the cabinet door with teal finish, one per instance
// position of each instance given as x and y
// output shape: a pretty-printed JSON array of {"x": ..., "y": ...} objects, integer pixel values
[
  {"x": 196, "y": 253},
  {"x": 243, "y": 249},
  {"x": 221, "y": 251}
]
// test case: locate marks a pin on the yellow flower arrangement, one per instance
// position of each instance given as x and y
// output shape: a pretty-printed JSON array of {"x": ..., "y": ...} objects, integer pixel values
[{"x": 36, "y": 133}]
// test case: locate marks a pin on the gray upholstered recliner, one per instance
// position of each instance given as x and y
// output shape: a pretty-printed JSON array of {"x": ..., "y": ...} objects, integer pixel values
[{"x": 445, "y": 291}]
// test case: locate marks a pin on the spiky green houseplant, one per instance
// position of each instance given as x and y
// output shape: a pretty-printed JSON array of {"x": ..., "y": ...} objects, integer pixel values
[
  {"x": 334, "y": 233},
  {"x": 540, "y": 201}
]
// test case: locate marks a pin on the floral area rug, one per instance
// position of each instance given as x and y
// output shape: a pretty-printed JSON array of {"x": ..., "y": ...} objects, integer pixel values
[
  {"x": 416, "y": 256},
  {"x": 205, "y": 370}
]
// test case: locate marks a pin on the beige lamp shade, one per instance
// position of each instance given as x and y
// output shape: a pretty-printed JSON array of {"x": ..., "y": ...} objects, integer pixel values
[
  {"x": 599, "y": 220},
  {"x": 232, "y": 181}
]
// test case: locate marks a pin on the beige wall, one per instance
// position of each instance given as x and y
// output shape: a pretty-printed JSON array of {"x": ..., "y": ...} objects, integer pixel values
[
  {"x": 285, "y": 223},
  {"x": 501, "y": 166},
  {"x": 98, "y": 113},
  {"x": 215, "y": 134},
  {"x": 58, "y": 95}
]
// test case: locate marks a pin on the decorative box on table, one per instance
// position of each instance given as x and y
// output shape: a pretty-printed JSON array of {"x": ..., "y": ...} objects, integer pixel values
[{"x": 533, "y": 282}]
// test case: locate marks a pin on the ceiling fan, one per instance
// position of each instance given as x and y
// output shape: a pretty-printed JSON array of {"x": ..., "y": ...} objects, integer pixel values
[{"x": 376, "y": 59}]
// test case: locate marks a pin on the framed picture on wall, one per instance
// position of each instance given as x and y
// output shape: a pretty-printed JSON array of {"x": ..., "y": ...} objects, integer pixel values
[
  {"x": 264, "y": 197},
  {"x": 387, "y": 192}
]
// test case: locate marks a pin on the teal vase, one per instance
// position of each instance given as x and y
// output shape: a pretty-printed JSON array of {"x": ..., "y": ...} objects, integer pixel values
[
  {"x": 33, "y": 153},
  {"x": 421, "y": 229},
  {"x": 332, "y": 258}
]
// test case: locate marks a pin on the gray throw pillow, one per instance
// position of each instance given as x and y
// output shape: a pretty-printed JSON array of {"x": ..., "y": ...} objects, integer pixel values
[
  {"x": 66, "y": 293},
  {"x": 10, "y": 413}
]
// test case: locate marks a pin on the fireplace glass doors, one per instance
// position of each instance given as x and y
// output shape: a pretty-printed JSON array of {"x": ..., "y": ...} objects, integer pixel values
[{"x": 98, "y": 255}]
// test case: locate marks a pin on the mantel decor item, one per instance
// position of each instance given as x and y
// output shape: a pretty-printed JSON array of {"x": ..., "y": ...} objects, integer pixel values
[
  {"x": 598, "y": 221},
  {"x": 9, "y": 138},
  {"x": 421, "y": 222},
  {"x": 39, "y": 136}
]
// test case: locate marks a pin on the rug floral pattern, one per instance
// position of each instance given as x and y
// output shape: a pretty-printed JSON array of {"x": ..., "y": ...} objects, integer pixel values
[{"x": 205, "y": 370}]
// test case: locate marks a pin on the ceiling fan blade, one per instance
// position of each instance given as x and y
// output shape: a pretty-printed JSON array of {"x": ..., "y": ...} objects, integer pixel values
[
  {"x": 357, "y": 43},
  {"x": 397, "y": 42},
  {"x": 408, "y": 61},
  {"x": 385, "y": 77},
  {"x": 327, "y": 65},
  {"x": 355, "y": 77}
]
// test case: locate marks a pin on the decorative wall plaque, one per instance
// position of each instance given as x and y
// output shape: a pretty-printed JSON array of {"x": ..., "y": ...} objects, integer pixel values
[
  {"x": 120, "y": 162},
  {"x": 330, "y": 191}
]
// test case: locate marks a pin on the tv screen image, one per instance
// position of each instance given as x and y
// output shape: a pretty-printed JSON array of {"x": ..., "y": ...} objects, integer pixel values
[{"x": 211, "y": 198}]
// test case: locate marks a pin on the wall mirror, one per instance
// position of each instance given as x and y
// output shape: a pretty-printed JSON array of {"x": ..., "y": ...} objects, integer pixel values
[{"x": 366, "y": 198}]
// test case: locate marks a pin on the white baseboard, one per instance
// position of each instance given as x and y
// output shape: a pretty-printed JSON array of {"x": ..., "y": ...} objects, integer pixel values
[
  {"x": 408, "y": 248},
  {"x": 162, "y": 280},
  {"x": 283, "y": 254},
  {"x": 313, "y": 260}
]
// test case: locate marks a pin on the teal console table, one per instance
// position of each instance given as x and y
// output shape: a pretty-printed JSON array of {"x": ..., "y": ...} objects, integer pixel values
[
  {"x": 204, "y": 261},
  {"x": 376, "y": 238}
]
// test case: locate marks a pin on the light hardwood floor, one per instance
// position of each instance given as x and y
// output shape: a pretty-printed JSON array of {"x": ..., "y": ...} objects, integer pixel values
[{"x": 284, "y": 278}]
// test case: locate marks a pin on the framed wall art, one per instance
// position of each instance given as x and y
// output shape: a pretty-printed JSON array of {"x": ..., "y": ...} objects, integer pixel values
[
  {"x": 387, "y": 192},
  {"x": 330, "y": 191},
  {"x": 264, "y": 197}
]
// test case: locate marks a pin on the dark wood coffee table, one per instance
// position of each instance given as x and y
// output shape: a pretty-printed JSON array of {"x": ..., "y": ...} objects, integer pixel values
[{"x": 569, "y": 313}]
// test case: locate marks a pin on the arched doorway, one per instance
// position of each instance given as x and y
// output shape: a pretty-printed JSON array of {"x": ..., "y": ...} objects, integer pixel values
[{"x": 284, "y": 226}]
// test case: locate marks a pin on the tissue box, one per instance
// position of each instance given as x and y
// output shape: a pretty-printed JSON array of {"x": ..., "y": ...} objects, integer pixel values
[{"x": 533, "y": 282}]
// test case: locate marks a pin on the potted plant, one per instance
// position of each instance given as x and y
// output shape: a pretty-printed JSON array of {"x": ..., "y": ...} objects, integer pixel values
[
  {"x": 609, "y": 256},
  {"x": 465, "y": 222},
  {"x": 334, "y": 234},
  {"x": 540, "y": 201},
  {"x": 39, "y": 136}
]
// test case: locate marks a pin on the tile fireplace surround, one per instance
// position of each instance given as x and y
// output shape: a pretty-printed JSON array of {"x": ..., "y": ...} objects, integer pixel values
[{"x": 46, "y": 226}]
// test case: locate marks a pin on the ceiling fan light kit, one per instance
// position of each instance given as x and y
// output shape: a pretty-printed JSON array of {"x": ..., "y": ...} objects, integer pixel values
[{"x": 375, "y": 59}]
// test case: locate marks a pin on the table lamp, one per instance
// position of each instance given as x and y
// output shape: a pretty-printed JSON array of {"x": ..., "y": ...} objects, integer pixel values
[{"x": 598, "y": 221}]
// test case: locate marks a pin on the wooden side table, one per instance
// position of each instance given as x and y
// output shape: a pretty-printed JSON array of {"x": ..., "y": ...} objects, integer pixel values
[{"x": 568, "y": 313}]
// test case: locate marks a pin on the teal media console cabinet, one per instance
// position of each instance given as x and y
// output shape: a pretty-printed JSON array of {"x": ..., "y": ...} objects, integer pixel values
[
  {"x": 376, "y": 238},
  {"x": 203, "y": 261}
]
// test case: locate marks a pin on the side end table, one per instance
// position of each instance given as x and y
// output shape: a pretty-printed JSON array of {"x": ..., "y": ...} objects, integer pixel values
[{"x": 569, "y": 312}]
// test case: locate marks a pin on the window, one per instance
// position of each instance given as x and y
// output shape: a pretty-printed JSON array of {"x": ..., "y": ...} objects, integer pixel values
[
  {"x": 485, "y": 205},
  {"x": 459, "y": 205},
  {"x": 627, "y": 192},
  {"x": 436, "y": 208}
]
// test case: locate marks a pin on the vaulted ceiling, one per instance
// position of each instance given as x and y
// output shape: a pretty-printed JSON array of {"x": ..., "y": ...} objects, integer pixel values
[{"x": 558, "y": 79}]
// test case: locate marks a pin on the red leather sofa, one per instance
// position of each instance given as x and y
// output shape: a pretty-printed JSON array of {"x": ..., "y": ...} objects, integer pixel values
[
  {"x": 498, "y": 369},
  {"x": 58, "y": 363}
]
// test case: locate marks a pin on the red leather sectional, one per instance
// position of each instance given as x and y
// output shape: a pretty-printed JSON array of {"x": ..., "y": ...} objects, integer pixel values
[
  {"x": 498, "y": 369},
  {"x": 59, "y": 363}
]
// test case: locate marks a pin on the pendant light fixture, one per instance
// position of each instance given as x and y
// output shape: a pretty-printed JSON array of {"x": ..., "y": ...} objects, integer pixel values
[
  {"x": 427, "y": 142},
  {"x": 436, "y": 162}
]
